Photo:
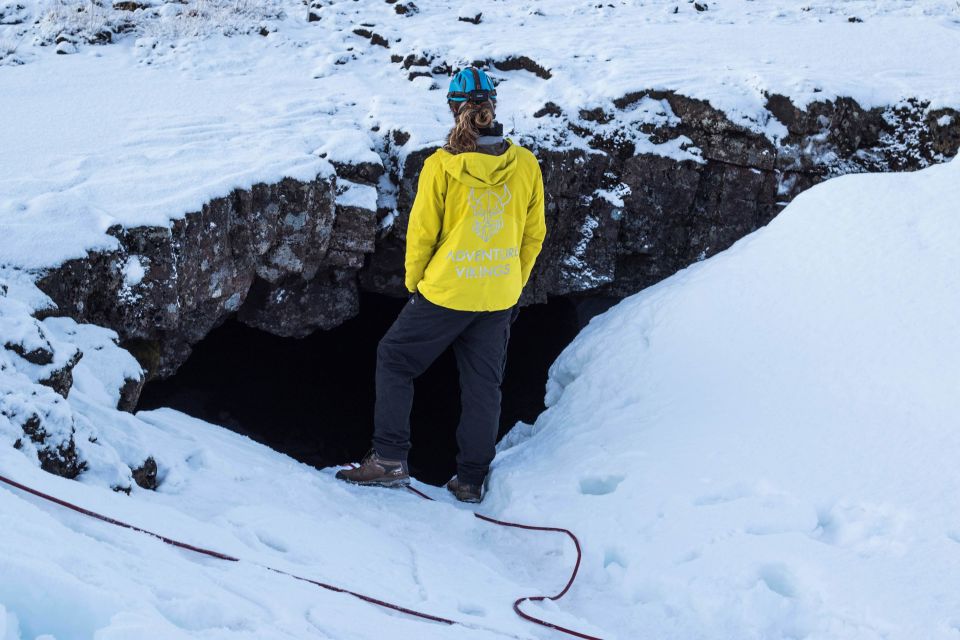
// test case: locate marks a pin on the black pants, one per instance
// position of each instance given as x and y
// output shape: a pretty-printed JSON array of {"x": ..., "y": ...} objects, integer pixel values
[{"x": 420, "y": 333}]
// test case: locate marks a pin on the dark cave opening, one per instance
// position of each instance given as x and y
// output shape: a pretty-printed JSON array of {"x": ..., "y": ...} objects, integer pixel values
[{"x": 312, "y": 398}]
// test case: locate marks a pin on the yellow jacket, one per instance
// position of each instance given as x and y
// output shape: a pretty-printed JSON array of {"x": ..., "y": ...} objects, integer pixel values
[{"x": 476, "y": 228}]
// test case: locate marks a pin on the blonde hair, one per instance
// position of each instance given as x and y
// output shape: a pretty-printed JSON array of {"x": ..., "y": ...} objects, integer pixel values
[{"x": 471, "y": 116}]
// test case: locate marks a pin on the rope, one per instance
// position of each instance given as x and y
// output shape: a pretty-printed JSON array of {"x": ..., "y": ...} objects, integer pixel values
[
  {"x": 330, "y": 587},
  {"x": 519, "y": 601}
]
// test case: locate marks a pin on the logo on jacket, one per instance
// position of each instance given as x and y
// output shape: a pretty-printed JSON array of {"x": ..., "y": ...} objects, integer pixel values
[{"x": 487, "y": 209}]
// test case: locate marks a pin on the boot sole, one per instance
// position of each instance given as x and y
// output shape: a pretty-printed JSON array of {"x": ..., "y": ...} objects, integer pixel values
[
  {"x": 379, "y": 483},
  {"x": 467, "y": 500}
]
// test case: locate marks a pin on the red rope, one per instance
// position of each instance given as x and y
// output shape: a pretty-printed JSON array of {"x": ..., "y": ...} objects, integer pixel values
[
  {"x": 519, "y": 601},
  {"x": 370, "y": 599},
  {"x": 119, "y": 523}
]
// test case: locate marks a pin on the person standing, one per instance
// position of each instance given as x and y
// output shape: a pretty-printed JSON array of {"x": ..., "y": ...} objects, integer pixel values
[{"x": 476, "y": 228}]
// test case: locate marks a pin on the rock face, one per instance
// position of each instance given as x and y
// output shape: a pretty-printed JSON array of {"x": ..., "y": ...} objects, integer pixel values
[
  {"x": 146, "y": 474},
  {"x": 60, "y": 458},
  {"x": 288, "y": 258},
  {"x": 266, "y": 253},
  {"x": 619, "y": 221}
]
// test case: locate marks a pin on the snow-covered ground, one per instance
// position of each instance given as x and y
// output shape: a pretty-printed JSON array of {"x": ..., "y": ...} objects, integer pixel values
[
  {"x": 153, "y": 126},
  {"x": 761, "y": 446}
]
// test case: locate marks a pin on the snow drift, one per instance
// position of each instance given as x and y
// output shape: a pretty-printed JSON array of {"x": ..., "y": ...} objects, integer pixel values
[{"x": 764, "y": 445}]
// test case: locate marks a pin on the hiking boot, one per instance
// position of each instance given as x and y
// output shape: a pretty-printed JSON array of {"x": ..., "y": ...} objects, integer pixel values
[
  {"x": 464, "y": 492},
  {"x": 377, "y": 471}
]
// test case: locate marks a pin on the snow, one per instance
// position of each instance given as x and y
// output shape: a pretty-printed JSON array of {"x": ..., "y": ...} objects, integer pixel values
[
  {"x": 221, "y": 490},
  {"x": 761, "y": 446},
  {"x": 174, "y": 113},
  {"x": 133, "y": 271},
  {"x": 353, "y": 194},
  {"x": 614, "y": 195},
  {"x": 105, "y": 367},
  {"x": 575, "y": 260},
  {"x": 347, "y": 147},
  {"x": 9, "y": 626},
  {"x": 468, "y": 12}
]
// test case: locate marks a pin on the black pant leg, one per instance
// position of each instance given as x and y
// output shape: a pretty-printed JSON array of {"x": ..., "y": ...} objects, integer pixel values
[
  {"x": 417, "y": 337},
  {"x": 481, "y": 352}
]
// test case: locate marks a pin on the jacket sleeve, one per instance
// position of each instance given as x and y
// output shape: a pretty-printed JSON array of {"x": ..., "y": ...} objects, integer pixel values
[
  {"x": 534, "y": 229},
  {"x": 426, "y": 217}
]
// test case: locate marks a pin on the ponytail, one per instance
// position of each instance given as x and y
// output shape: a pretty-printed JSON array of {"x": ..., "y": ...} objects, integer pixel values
[{"x": 471, "y": 116}]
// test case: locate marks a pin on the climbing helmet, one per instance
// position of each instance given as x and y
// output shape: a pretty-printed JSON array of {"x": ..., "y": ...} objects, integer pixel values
[{"x": 471, "y": 84}]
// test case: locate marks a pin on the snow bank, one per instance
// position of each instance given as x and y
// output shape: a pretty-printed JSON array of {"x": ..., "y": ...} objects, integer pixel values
[{"x": 764, "y": 445}]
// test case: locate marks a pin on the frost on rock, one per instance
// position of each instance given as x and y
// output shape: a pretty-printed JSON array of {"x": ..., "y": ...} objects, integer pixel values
[
  {"x": 910, "y": 140},
  {"x": 580, "y": 270},
  {"x": 614, "y": 195},
  {"x": 633, "y": 127}
]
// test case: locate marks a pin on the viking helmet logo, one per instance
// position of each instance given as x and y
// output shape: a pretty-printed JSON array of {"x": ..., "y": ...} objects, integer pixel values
[{"x": 487, "y": 209}]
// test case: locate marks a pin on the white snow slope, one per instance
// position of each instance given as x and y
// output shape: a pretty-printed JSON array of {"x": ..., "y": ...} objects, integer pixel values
[
  {"x": 764, "y": 445},
  {"x": 761, "y": 446}
]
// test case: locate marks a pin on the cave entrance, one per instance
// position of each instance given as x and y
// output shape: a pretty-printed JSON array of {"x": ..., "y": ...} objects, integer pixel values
[{"x": 312, "y": 398}]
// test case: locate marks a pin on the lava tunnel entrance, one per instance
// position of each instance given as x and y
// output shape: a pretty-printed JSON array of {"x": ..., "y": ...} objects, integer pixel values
[{"x": 312, "y": 398}]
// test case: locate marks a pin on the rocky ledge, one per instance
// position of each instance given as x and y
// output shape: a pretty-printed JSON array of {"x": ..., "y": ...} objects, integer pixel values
[{"x": 290, "y": 258}]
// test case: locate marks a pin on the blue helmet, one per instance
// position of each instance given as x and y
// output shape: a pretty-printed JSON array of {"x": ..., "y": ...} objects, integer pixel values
[{"x": 471, "y": 84}]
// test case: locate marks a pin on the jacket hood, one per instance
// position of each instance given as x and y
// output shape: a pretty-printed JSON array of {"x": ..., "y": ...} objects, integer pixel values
[{"x": 483, "y": 170}]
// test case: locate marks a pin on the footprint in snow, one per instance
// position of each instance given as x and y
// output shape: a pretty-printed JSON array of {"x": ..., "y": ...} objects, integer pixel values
[
  {"x": 689, "y": 556},
  {"x": 599, "y": 485},
  {"x": 779, "y": 579},
  {"x": 726, "y": 494},
  {"x": 864, "y": 527},
  {"x": 615, "y": 556},
  {"x": 272, "y": 541},
  {"x": 197, "y": 460},
  {"x": 471, "y": 609}
]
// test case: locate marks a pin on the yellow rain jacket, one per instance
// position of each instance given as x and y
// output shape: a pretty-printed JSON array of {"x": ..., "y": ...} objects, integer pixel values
[{"x": 476, "y": 228}]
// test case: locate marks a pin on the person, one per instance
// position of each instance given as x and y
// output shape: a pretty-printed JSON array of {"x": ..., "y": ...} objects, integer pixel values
[{"x": 476, "y": 228}]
